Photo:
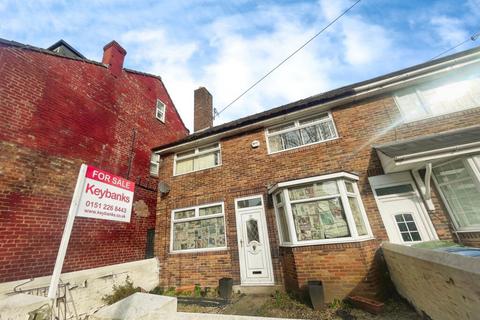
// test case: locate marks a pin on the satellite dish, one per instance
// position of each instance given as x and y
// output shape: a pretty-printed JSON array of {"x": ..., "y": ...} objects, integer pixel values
[{"x": 163, "y": 187}]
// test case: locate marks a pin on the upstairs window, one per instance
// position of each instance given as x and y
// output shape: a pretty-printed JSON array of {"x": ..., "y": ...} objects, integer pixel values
[
  {"x": 154, "y": 164},
  {"x": 450, "y": 94},
  {"x": 160, "y": 110},
  {"x": 301, "y": 132},
  {"x": 197, "y": 159}
]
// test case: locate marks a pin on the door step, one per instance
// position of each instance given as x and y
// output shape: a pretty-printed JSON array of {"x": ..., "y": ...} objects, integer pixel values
[{"x": 260, "y": 290}]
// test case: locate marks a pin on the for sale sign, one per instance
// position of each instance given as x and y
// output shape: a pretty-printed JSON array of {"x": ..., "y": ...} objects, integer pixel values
[{"x": 105, "y": 196}]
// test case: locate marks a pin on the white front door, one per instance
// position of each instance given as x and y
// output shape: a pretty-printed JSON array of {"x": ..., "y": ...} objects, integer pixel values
[
  {"x": 253, "y": 244},
  {"x": 403, "y": 213}
]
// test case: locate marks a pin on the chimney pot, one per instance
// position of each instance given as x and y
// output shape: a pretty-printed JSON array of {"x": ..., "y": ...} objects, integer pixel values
[
  {"x": 203, "y": 109},
  {"x": 113, "y": 56}
]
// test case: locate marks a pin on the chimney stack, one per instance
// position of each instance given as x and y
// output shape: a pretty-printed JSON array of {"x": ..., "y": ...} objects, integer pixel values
[
  {"x": 202, "y": 110},
  {"x": 114, "y": 55}
]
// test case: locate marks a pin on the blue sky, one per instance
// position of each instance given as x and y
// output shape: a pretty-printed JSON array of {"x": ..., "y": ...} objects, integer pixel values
[{"x": 227, "y": 45}]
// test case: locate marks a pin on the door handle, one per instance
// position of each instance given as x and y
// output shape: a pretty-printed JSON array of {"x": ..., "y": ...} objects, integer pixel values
[{"x": 241, "y": 243}]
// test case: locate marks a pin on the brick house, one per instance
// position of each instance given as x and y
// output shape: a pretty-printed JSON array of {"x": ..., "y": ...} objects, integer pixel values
[
  {"x": 57, "y": 111},
  {"x": 309, "y": 190}
]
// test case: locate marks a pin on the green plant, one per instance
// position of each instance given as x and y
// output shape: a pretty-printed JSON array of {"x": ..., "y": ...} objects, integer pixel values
[
  {"x": 120, "y": 292},
  {"x": 157, "y": 290},
  {"x": 170, "y": 292},
  {"x": 197, "y": 291}
]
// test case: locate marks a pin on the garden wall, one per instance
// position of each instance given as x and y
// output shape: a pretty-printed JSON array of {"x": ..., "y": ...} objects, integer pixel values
[
  {"x": 438, "y": 284},
  {"x": 86, "y": 288}
]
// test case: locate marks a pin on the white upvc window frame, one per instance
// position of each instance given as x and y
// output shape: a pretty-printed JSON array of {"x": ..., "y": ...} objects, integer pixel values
[
  {"x": 154, "y": 163},
  {"x": 298, "y": 126},
  {"x": 343, "y": 194},
  {"x": 196, "y": 218},
  {"x": 436, "y": 82},
  {"x": 472, "y": 165},
  {"x": 196, "y": 154},
  {"x": 160, "y": 107}
]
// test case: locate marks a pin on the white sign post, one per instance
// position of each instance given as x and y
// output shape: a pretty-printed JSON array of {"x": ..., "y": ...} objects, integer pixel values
[{"x": 98, "y": 195}]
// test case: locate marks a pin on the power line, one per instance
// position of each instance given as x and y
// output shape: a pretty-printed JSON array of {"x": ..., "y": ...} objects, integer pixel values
[
  {"x": 217, "y": 113},
  {"x": 474, "y": 37}
]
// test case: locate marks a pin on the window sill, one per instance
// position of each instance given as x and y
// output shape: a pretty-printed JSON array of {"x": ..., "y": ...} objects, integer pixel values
[
  {"x": 194, "y": 251},
  {"x": 465, "y": 230},
  {"x": 328, "y": 241}
]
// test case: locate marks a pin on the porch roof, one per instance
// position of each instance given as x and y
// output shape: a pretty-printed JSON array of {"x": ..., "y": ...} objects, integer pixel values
[{"x": 409, "y": 153}]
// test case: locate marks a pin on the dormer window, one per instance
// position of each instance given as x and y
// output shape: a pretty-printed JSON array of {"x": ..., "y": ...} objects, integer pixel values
[
  {"x": 160, "y": 111},
  {"x": 301, "y": 132}
]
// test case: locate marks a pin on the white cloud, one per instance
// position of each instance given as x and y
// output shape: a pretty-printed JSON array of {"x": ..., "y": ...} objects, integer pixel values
[
  {"x": 164, "y": 56},
  {"x": 449, "y": 31}
]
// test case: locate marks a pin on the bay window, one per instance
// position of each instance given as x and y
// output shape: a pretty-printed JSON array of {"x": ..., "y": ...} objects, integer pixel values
[
  {"x": 200, "y": 228},
  {"x": 301, "y": 132},
  {"x": 318, "y": 210},
  {"x": 458, "y": 181},
  {"x": 197, "y": 159}
]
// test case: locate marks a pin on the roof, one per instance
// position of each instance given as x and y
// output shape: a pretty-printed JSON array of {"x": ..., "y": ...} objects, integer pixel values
[
  {"x": 322, "y": 98},
  {"x": 63, "y": 48},
  {"x": 431, "y": 142},
  {"x": 79, "y": 57}
]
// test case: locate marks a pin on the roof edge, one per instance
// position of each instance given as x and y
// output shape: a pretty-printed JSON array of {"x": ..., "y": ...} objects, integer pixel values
[{"x": 326, "y": 97}]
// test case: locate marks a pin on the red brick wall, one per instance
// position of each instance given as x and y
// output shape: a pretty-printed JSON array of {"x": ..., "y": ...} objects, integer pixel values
[
  {"x": 343, "y": 268},
  {"x": 247, "y": 171},
  {"x": 56, "y": 113}
]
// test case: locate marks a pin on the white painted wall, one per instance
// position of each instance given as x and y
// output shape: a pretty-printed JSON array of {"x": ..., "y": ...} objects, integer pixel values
[
  {"x": 87, "y": 287},
  {"x": 442, "y": 285}
]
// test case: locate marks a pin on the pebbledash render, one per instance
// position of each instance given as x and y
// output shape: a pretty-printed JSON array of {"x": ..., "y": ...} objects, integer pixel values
[
  {"x": 57, "y": 111},
  {"x": 310, "y": 190}
]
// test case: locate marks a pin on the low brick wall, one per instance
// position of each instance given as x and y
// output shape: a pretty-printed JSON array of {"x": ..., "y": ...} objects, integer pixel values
[
  {"x": 86, "y": 287},
  {"x": 439, "y": 284}
]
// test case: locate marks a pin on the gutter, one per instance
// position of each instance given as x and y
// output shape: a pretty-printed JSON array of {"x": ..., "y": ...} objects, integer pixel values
[{"x": 361, "y": 92}]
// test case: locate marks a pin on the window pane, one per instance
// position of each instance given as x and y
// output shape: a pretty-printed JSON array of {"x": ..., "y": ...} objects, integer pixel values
[
  {"x": 459, "y": 188},
  {"x": 199, "y": 234},
  {"x": 252, "y": 231},
  {"x": 357, "y": 216},
  {"x": 407, "y": 227},
  {"x": 404, "y": 188},
  {"x": 453, "y": 96},
  {"x": 291, "y": 139},
  {"x": 319, "y": 189},
  {"x": 210, "y": 210},
  {"x": 279, "y": 197},
  {"x": 451, "y": 171},
  {"x": 327, "y": 130},
  {"x": 184, "y": 166},
  {"x": 349, "y": 187},
  {"x": 185, "y": 153},
  {"x": 310, "y": 135},
  {"x": 212, "y": 146},
  {"x": 249, "y": 203},
  {"x": 323, "y": 219},
  {"x": 205, "y": 161},
  {"x": 275, "y": 143},
  {"x": 410, "y": 106},
  {"x": 184, "y": 214},
  {"x": 314, "y": 119},
  {"x": 285, "y": 231},
  {"x": 282, "y": 127}
]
